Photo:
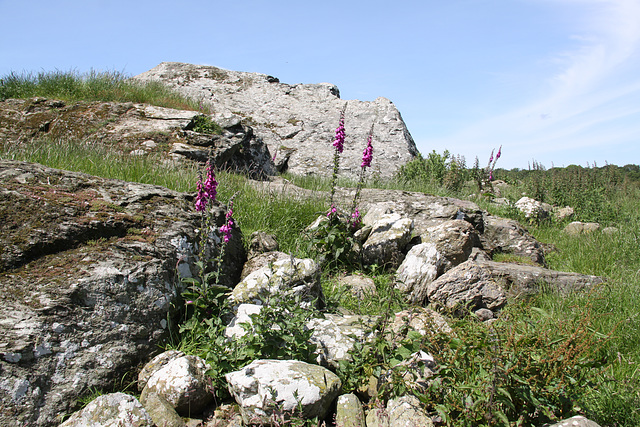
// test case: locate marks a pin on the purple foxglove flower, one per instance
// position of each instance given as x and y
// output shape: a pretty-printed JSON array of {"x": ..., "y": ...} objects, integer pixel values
[
  {"x": 499, "y": 152},
  {"x": 491, "y": 158},
  {"x": 338, "y": 142},
  {"x": 210, "y": 184},
  {"x": 332, "y": 211},
  {"x": 201, "y": 199},
  {"x": 355, "y": 218},
  {"x": 226, "y": 232},
  {"x": 367, "y": 154}
]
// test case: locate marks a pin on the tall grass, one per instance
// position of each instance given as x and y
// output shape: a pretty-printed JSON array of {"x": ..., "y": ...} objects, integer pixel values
[{"x": 92, "y": 86}]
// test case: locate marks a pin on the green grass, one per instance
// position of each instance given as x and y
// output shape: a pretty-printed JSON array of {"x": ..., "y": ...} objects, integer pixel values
[{"x": 92, "y": 86}]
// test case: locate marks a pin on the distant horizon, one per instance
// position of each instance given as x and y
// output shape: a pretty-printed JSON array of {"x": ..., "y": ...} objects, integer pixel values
[{"x": 551, "y": 81}]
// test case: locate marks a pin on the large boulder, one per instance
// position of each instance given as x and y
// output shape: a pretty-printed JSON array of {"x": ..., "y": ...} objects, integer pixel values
[
  {"x": 265, "y": 388},
  {"x": 475, "y": 285},
  {"x": 87, "y": 282},
  {"x": 296, "y": 121},
  {"x": 508, "y": 236}
]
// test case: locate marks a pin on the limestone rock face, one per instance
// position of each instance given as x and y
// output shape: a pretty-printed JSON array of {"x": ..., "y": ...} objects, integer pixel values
[
  {"x": 116, "y": 409},
  {"x": 297, "y": 122},
  {"x": 265, "y": 387},
  {"x": 87, "y": 282}
]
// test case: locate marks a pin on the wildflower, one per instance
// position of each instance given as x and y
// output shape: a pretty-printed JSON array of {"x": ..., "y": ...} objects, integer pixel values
[
  {"x": 210, "y": 184},
  {"x": 367, "y": 154},
  {"x": 226, "y": 228},
  {"x": 201, "y": 199},
  {"x": 338, "y": 142},
  {"x": 355, "y": 218},
  {"x": 499, "y": 152},
  {"x": 332, "y": 211}
]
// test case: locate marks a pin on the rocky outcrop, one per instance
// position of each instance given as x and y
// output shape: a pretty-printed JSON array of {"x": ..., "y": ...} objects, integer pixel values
[
  {"x": 267, "y": 387},
  {"x": 87, "y": 282},
  {"x": 475, "y": 285},
  {"x": 136, "y": 129},
  {"x": 296, "y": 121}
]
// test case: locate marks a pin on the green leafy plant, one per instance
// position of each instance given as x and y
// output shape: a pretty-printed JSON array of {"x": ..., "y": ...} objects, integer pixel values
[{"x": 204, "y": 124}]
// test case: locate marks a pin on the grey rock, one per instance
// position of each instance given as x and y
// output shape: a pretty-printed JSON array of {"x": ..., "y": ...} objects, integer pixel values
[
  {"x": 267, "y": 388},
  {"x": 116, "y": 409},
  {"x": 349, "y": 411},
  {"x": 157, "y": 363},
  {"x": 297, "y": 121},
  {"x": 577, "y": 421},
  {"x": 418, "y": 319},
  {"x": 444, "y": 246},
  {"x": 289, "y": 277},
  {"x": 335, "y": 336},
  {"x": 561, "y": 214},
  {"x": 131, "y": 125},
  {"x": 389, "y": 236},
  {"x": 264, "y": 260},
  {"x": 242, "y": 315},
  {"x": 261, "y": 242},
  {"x": 487, "y": 284},
  {"x": 405, "y": 411},
  {"x": 87, "y": 282},
  {"x": 160, "y": 410},
  {"x": 183, "y": 383},
  {"x": 534, "y": 209},
  {"x": 360, "y": 287},
  {"x": 576, "y": 228},
  {"x": 508, "y": 236}
]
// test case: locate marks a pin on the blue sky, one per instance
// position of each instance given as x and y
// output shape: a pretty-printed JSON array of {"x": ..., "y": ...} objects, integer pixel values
[{"x": 555, "y": 81}]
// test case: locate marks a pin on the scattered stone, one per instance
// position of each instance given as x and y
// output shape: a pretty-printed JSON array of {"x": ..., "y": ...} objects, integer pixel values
[
  {"x": 561, "y": 214},
  {"x": 243, "y": 315},
  {"x": 360, "y": 287},
  {"x": 261, "y": 242},
  {"x": 576, "y": 228},
  {"x": 533, "y": 208},
  {"x": 610, "y": 230},
  {"x": 349, "y": 411},
  {"x": 269, "y": 387},
  {"x": 157, "y": 363},
  {"x": 400, "y": 412},
  {"x": 418, "y": 319},
  {"x": 487, "y": 284},
  {"x": 290, "y": 277},
  {"x": 116, "y": 409},
  {"x": 508, "y": 236},
  {"x": 577, "y": 421},
  {"x": 336, "y": 335},
  {"x": 160, "y": 410},
  {"x": 444, "y": 246},
  {"x": 388, "y": 238},
  {"x": 183, "y": 383}
]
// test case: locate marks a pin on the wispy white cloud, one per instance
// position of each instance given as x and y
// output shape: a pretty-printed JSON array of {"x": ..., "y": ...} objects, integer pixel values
[{"x": 589, "y": 99}]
